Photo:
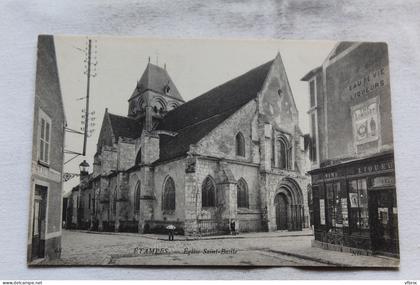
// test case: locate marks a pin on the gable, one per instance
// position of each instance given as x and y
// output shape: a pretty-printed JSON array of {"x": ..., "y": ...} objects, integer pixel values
[
  {"x": 277, "y": 104},
  {"x": 106, "y": 137},
  {"x": 114, "y": 127}
]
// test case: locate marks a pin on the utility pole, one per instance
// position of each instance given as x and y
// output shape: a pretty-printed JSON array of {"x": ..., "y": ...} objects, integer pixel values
[
  {"x": 87, "y": 97},
  {"x": 88, "y": 117}
]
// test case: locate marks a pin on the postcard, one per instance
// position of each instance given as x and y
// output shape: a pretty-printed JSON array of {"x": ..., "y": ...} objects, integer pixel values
[{"x": 173, "y": 152}]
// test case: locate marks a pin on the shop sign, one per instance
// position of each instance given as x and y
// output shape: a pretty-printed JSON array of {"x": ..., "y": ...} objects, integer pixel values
[
  {"x": 365, "y": 119},
  {"x": 380, "y": 166},
  {"x": 329, "y": 175},
  {"x": 383, "y": 181}
]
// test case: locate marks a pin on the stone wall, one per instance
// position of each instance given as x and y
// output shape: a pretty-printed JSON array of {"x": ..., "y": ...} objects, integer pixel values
[
  {"x": 221, "y": 143},
  {"x": 175, "y": 170},
  {"x": 126, "y": 154}
]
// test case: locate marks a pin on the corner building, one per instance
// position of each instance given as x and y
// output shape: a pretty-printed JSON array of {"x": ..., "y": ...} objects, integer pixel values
[
  {"x": 352, "y": 158},
  {"x": 45, "y": 209},
  {"x": 235, "y": 153}
]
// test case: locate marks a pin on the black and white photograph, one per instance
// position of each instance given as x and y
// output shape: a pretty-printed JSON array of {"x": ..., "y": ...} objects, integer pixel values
[{"x": 212, "y": 152}]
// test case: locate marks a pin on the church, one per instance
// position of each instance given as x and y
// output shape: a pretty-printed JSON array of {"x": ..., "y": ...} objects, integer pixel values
[{"x": 233, "y": 154}]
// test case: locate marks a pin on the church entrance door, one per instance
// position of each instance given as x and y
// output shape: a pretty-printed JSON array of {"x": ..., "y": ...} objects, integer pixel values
[{"x": 281, "y": 205}]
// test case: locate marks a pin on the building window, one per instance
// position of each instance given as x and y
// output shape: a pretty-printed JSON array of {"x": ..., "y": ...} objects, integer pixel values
[
  {"x": 44, "y": 137},
  {"x": 334, "y": 206},
  {"x": 137, "y": 197},
  {"x": 359, "y": 214},
  {"x": 240, "y": 144},
  {"x": 284, "y": 153},
  {"x": 208, "y": 193},
  {"x": 169, "y": 195},
  {"x": 242, "y": 194},
  {"x": 89, "y": 201},
  {"x": 312, "y": 92},
  {"x": 312, "y": 150}
]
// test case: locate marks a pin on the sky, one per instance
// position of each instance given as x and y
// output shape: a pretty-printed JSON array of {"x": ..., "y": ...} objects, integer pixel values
[{"x": 195, "y": 67}]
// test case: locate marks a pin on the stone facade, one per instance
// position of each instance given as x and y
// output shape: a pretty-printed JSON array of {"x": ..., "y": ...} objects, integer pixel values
[{"x": 257, "y": 149}]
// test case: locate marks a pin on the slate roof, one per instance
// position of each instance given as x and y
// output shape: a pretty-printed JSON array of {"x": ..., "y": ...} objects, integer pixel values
[
  {"x": 125, "y": 126},
  {"x": 155, "y": 78},
  {"x": 196, "y": 118}
]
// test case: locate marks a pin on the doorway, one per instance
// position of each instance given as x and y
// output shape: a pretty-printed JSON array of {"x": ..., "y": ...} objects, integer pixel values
[
  {"x": 39, "y": 222},
  {"x": 281, "y": 204},
  {"x": 384, "y": 221}
]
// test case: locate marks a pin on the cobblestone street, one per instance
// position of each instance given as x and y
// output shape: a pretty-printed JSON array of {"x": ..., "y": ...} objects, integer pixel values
[{"x": 263, "y": 249}]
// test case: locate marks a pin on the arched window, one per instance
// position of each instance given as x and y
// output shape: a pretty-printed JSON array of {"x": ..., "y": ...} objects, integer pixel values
[
  {"x": 114, "y": 205},
  {"x": 240, "y": 144},
  {"x": 242, "y": 194},
  {"x": 208, "y": 193},
  {"x": 284, "y": 153},
  {"x": 137, "y": 197},
  {"x": 138, "y": 157},
  {"x": 169, "y": 195}
]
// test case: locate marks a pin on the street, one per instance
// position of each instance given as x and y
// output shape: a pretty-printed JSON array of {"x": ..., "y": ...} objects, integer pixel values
[{"x": 252, "y": 249}]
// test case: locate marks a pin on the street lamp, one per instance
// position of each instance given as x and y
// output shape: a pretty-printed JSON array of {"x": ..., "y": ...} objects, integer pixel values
[{"x": 84, "y": 167}]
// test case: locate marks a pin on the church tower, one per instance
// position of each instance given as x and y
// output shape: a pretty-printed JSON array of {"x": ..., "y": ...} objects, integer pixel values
[{"x": 154, "y": 96}]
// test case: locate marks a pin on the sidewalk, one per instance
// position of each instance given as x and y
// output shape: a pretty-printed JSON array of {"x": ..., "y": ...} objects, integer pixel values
[
  {"x": 335, "y": 258},
  {"x": 164, "y": 237}
]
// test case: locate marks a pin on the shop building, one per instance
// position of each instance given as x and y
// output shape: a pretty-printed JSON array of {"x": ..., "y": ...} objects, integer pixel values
[{"x": 352, "y": 159}]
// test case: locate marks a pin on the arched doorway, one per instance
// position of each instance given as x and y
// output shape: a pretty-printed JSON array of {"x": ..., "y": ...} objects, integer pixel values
[
  {"x": 288, "y": 206},
  {"x": 281, "y": 204}
]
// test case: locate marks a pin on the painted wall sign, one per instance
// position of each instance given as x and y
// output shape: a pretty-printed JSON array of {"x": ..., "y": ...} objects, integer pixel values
[
  {"x": 365, "y": 119},
  {"x": 322, "y": 211},
  {"x": 367, "y": 84}
]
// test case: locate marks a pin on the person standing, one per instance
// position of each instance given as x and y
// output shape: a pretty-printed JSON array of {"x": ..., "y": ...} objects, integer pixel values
[{"x": 171, "y": 230}]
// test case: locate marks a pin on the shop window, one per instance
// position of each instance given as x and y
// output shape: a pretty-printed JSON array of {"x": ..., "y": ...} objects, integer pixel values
[
  {"x": 208, "y": 193},
  {"x": 169, "y": 195},
  {"x": 242, "y": 194},
  {"x": 334, "y": 205},
  {"x": 137, "y": 198},
  {"x": 359, "y": 214},
  {"x": 240, "y": 144}
]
